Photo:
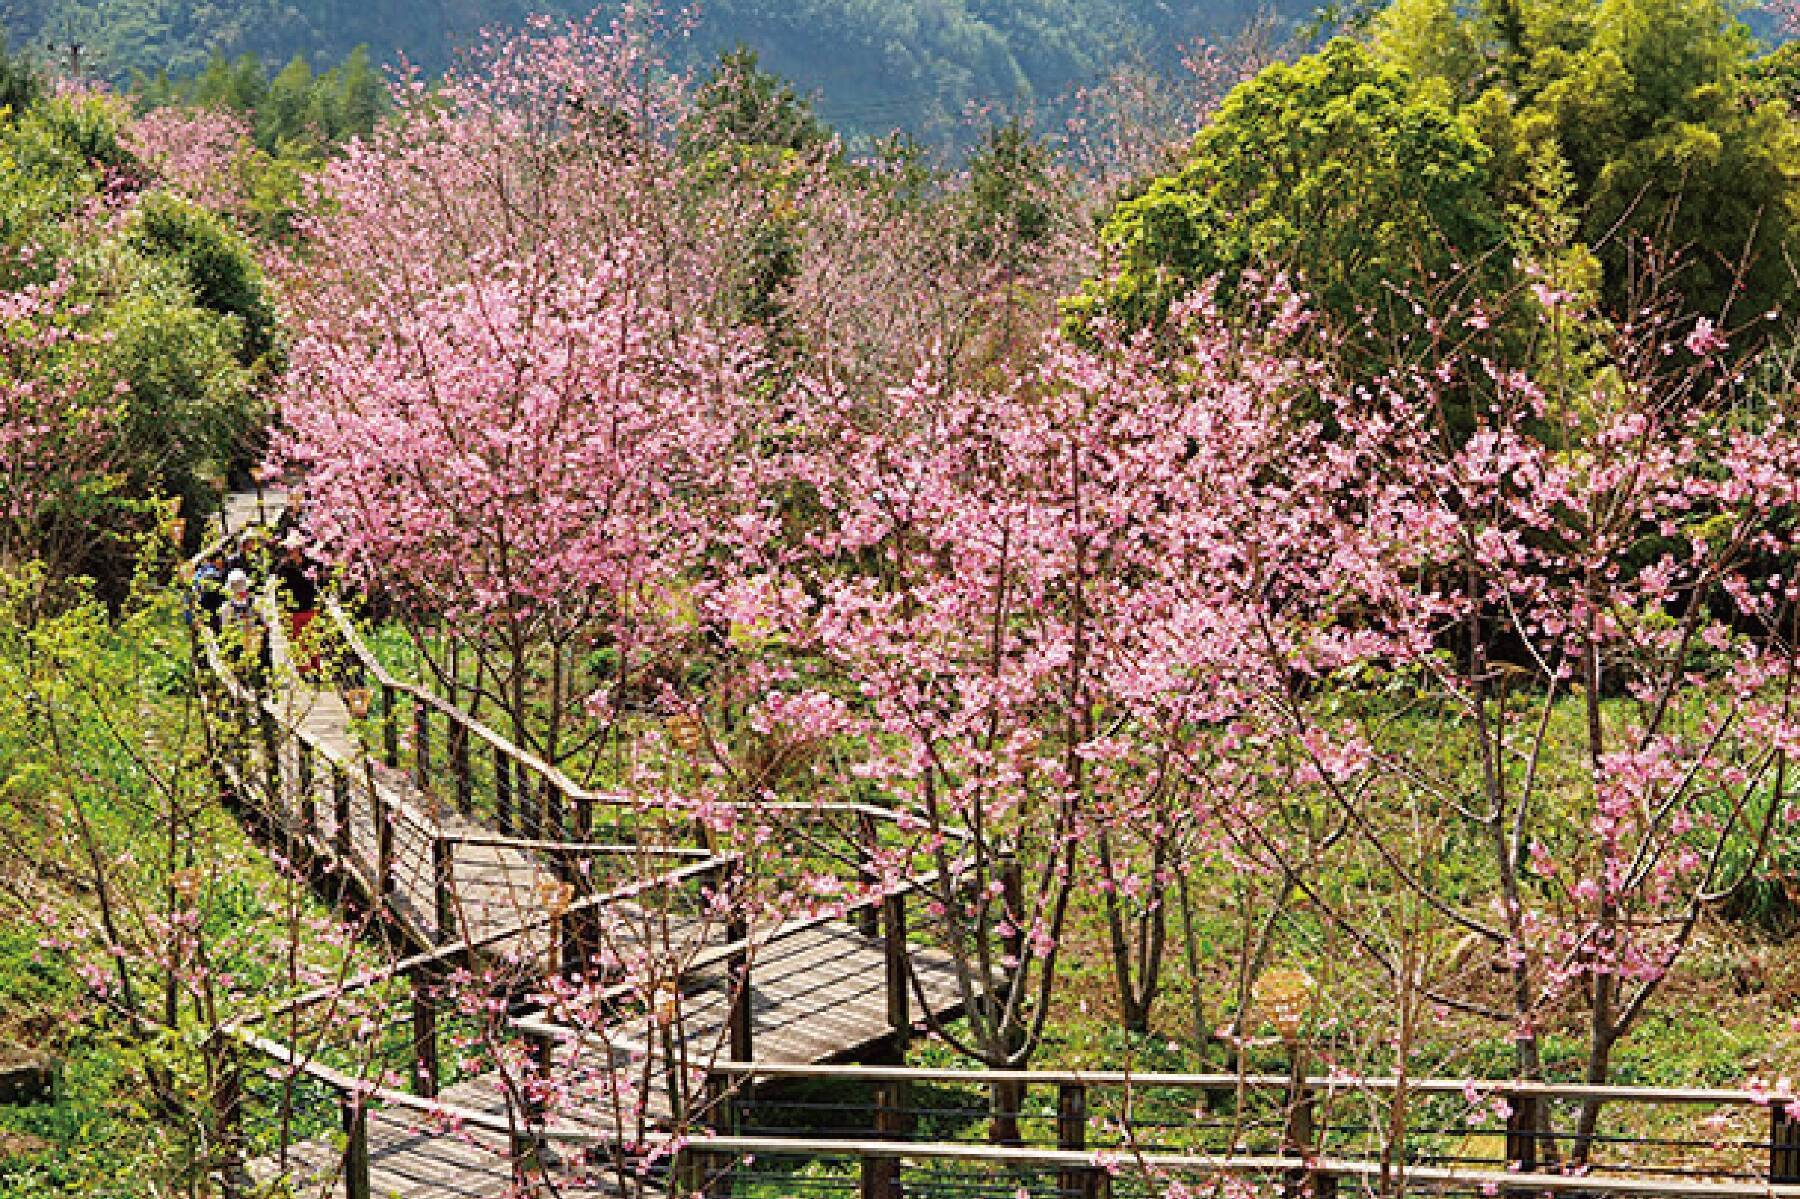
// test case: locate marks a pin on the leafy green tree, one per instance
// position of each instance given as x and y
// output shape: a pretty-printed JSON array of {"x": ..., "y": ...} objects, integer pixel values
[
  {"x": 1338, "y": 168},
  {"x": 239, "y": 85},
  {"x": 742, "y": 104},
  {"x": 213, "y": 262},
  {"x": 21, "y": 83},
  {"x": 150, "y": 332},
  {"x": 285, "y": 114},
  {"x": 362, "y": 98},
  {"x": 1776, "y": 75},
  {"x": 1655, "y": 116},
  {"x": 1012, "y": 198},
  {"x": 1680, "y": 163}
]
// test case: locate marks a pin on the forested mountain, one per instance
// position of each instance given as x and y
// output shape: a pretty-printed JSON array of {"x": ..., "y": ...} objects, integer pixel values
[{"x": 877, "y": 64}]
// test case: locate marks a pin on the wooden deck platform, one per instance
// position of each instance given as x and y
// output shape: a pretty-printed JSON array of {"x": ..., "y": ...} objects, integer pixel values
[
  {"x": 497, "y": 887},
  {"x": 817, "y": 996},
  {"x": 818, "y": 990}
]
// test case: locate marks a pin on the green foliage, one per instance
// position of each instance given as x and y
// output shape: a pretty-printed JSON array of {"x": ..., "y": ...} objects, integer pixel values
[
  {"x": 21, "y": 83},
  {"x": 743, "y": 105},
  {"x": 1652, "y": 114},
  {"x": 1658, "y": 112},
  {"x": 750, "y": 125},
  {"x": 1615, "y": 148},
  {"x": 214, "y": 262},
  {"x": 297, "y": 114},
  {"x": 167, "y": 304},
  {"x": 1776, "y": 75},
  {"x": 1010, "y": 204},
  {"x": 879, "y": 63},
  {"x": 1339, "y": 168}
]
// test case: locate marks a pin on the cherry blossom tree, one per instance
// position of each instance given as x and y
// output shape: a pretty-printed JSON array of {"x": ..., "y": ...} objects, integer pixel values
[
  {"x": 506, "y": 390},
  {"x": 59, "y": 445},
  {"x": 1589, "y": 604}
]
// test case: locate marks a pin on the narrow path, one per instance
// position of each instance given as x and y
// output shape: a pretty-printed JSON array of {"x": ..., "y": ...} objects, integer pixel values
[{"x": 818, "y": 991}]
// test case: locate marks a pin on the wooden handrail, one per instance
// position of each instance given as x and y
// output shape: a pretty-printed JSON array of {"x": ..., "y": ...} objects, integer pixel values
[
  {"x": 597, "y": 848},
  {"x": 1011, "y": 1155},
  {"x": 570, "y": 789},
  {"x": 1122, "y": 1158},
  {"x": 460, "y": 949},
  {"x": 396, "y": 798},
  {"x": 1487, "y": 1088}
]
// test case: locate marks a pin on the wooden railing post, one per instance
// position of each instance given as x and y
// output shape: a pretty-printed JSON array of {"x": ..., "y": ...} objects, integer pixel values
[
  {"x": 743, "y": 1016},
  {"x": 443, "y": 873},
  {"x": 503, "y": 794},
  {"x": 710, "y": 1173},
  {"x": 1784, "y": 1143},
  {"x": 356, "y": 1148},
  {"x": 390, "y": 729},
  {"x": 340, "y": 816},
  {"x": 893, "y": 950},
  {"x": 1080, "y": 1182},
  {"x": 275, "y": 809},
  {"x": 425, "y": 1040},
  {"x": 303, "y": 780},
  {"x": 552, "y": 824},
  {"x": 880, "y": 1174},
  {"x": 458, "y": 743},
  {"x": 1522, "y": 1133},
  {"x": 868, "y": 916},
  {"x": 421, "y": 744},
  {"x": 384, "y": 839}
]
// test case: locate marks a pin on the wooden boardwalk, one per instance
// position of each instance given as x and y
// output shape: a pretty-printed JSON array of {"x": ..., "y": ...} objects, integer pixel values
[
  {"x": 822, "y": 1001},
  {"x": 819, "y": 991}
]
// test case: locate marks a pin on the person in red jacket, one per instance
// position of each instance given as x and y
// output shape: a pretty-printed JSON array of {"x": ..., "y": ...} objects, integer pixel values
[{"x": 297, "y": 589}]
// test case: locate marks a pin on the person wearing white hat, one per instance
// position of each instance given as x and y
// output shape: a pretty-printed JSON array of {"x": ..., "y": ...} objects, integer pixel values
[{"x": 243, "y": 630}]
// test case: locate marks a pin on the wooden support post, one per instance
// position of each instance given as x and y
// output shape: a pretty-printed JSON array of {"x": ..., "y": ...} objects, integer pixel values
[
  {"x": 356, "y": 1148},
  {"x": 1522, "y": 1133},
  {"x": 275, "y": 807},
  {"x": 584, "y": 818},
  {"x": 1076, "y": 1182},
  {"x": 868, "y": 916},
  {"x": 384, "y": 839},
  {"x": 711, "y": 1172},
  {"x": 425, "y": 1041},
  {"x": 552, "y": 825},
  {"x": 303, "y": 780},
  {"x": 340, "y": 816},
  {"x": 443, "y": 876},
  {"x": 421, "y": 744},
  {"x": 893, "y": 949},
  {"x": 458, "y": 743},
  {"x": 1784, "y": 1144},
  {"x": 743, "y": 1016},
  {"x": 880, "y": 1174},
  {"x": 390, "y": 729},
  {"x": 503, "y": 794}
]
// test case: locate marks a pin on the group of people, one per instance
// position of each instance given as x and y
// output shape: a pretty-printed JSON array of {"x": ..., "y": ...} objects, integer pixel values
[{"x": 228, "y": 582}]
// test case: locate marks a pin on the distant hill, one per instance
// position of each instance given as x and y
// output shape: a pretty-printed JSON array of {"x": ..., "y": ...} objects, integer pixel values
[{"x": 875, "y": 64}]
